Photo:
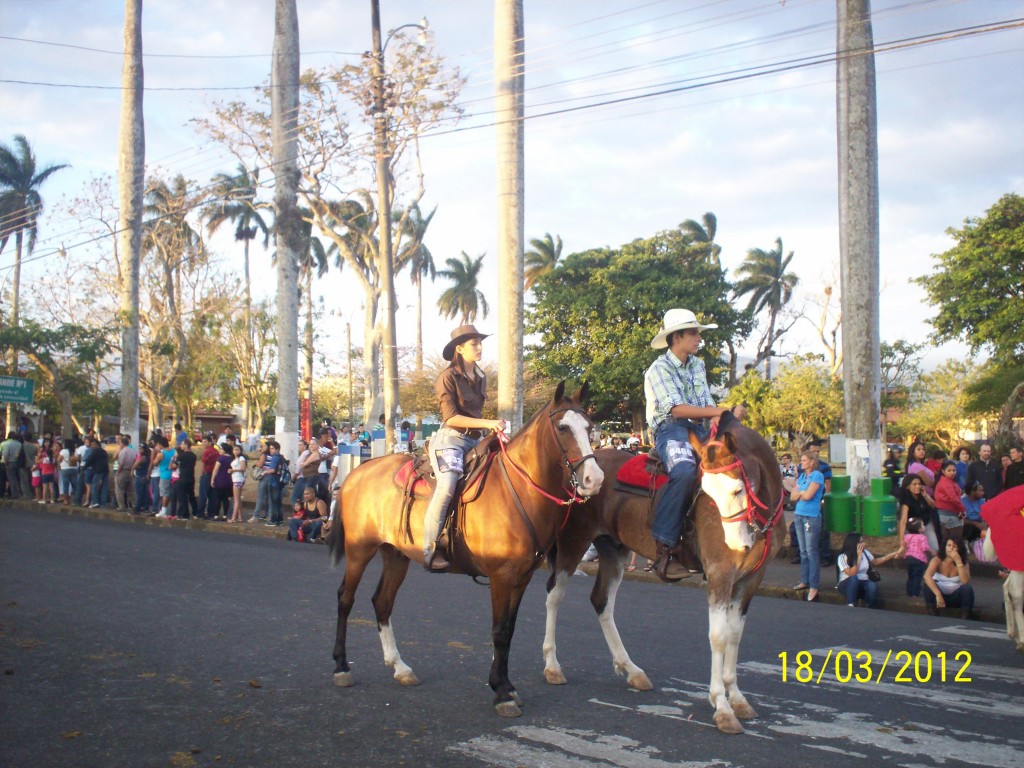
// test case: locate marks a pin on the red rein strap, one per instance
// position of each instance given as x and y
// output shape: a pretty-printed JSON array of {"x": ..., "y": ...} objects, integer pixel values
[
  {"x": 567, "y": 503},
  {"x": 756, "y": 520}
]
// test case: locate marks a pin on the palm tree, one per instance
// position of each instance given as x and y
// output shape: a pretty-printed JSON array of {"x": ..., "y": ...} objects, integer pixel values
[
  {"x": 463, "y": 297},
  {"x": 313, "y": 256},
  {"x": 703, "y": 235},
  {"x": 236, "y": 202},
  {"x": 421, "y": 265},
  {"x": 20, "y": 206},
  {"x": 542, "y": 258},
  {"x": 763, "y": 275}
]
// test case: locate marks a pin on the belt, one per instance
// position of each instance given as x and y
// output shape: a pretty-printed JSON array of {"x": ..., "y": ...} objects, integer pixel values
[{"x": 473, "y": 433}]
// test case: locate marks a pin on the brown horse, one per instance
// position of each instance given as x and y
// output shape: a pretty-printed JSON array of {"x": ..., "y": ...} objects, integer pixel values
[
  {"x": 738, "y": 526},
  {"x": 506, "y": 531}
]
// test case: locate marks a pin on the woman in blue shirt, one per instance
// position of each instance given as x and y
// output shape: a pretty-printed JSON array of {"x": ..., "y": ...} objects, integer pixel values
[{"x": 810, "y": 486}]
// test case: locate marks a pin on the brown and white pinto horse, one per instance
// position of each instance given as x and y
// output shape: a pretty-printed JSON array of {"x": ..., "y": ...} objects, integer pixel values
[
  {"x": 507, "y": 529},
  {"x": 739, "y": 528}
]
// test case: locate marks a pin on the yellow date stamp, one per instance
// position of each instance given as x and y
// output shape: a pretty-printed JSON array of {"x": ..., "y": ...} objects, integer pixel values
[{"x": 866, "y": 667}]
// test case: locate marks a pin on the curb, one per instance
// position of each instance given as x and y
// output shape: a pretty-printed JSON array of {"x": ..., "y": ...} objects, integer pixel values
[
  {"x": 831, "y": 596},
  {"x": 825, "y": 595}
]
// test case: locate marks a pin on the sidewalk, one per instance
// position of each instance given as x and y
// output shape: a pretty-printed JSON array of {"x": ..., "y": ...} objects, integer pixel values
[{"x": 779, "y": 578}]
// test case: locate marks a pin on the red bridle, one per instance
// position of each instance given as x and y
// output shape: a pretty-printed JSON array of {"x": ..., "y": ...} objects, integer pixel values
[{"x": 756, "y": 513}]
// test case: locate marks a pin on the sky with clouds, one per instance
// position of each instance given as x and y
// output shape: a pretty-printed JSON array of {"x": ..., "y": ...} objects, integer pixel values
[{"x": 758, "y": 152}]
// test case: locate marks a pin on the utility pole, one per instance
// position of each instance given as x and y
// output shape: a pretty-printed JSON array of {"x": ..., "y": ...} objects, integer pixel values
[
  {"x": 509, "y": 63},
  {"x": 858, "y": 240},
  {"x": 131, "y": 173},
  {"x": 385, "y": 264},
  {"x": 288, "y": 224},
  {"x": 348, "y": 341}
]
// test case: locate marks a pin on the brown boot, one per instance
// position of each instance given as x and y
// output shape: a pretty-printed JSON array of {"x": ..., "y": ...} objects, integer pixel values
[
  {"x": 667, "y": 565},
  {"x": 686, "y": 554}
]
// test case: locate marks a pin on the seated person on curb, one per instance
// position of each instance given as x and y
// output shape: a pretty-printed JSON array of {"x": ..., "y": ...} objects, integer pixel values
[
  {"x": 461, "y": 389},
  {"x": 854, "y": 582},
  {"x": 310, "y": 514},
  {"x": 678, "y": 400},
  {"x": 948, "y": 580}
]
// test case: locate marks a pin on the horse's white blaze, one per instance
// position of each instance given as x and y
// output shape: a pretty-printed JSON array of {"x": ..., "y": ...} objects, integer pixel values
[
  {"x": 730, "y": 496},
  {"x": 588, "y": 474}
]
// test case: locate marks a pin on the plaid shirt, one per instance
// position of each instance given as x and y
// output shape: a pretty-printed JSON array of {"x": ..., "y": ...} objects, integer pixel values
[{"x": 669, "y": 382}]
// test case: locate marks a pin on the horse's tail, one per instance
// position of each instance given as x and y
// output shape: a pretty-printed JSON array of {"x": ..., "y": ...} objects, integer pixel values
[{"x": 336, "y": 536}]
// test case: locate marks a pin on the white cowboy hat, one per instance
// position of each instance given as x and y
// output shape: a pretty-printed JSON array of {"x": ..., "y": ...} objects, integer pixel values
[{"x": 677, "y": 320}]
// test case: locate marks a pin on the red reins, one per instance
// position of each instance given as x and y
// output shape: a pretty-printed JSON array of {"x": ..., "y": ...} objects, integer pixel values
[{"x": 761, "y": 523}]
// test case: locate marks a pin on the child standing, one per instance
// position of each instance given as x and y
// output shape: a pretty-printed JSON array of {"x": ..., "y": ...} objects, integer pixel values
[{"x": 917, "y": 553}]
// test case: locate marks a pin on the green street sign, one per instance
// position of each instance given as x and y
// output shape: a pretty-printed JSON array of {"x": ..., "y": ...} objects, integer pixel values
[{"x": 15, "y": 390}]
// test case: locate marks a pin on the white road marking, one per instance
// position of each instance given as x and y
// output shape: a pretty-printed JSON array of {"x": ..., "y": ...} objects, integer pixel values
[
  {"x": 984, "y": 632},
  {"x": 570, "y": 748},
  {"x": 989, "y": 703}
]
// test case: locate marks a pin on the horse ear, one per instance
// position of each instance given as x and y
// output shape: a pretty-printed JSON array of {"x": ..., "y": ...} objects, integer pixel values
[
  {"x": 729, "y": 439},
  {"x": 560, "y": 391},
  {"x": 583, "y": 393},
  {"x": 695, "y": 442}
]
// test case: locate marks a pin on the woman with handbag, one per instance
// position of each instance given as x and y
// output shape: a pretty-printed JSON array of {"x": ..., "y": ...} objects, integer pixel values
[{"x": 857, "y": 575}]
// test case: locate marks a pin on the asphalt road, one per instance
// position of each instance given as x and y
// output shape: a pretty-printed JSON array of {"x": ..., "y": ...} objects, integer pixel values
[{"x": 126, "y": 645}]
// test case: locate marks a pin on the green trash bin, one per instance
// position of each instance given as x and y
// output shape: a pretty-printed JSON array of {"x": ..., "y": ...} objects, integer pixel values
[
  {"x": 878, "y": 511},
  {"x": 841, "y": 507}
]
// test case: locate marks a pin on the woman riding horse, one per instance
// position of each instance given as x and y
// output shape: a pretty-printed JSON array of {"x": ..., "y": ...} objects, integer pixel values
[{"x": 461, "y": 390}]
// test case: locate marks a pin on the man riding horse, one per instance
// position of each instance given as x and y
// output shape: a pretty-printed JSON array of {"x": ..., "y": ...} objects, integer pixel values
[{"x": 678, "y": 400}]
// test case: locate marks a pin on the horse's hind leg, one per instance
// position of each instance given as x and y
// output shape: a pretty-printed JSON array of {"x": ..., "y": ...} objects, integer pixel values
[
  {"x": 396, "y": 566},
  {"x": 355, "y": 565},
  {"x": 611, "y": 561},
  {"x": 563, "y": 565}
]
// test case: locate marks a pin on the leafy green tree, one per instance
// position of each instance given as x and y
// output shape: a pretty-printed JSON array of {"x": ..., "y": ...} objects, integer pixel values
[
  {"x": 60, "y": 353},
  {"x": 753, "y": 390},
  {"x": 597, "y": 311},
  {"x": 412, "y": 251},
  {"x": 805, "y": 400},
  {"x": 901, "y": 370},
  {"x": 463, "y": 297},
  {"x": 542, "y": 257},
  {"x": 977, "y": 287},
  {"x": 764, "y": 277},
  {"x": 937, "y": 409}
]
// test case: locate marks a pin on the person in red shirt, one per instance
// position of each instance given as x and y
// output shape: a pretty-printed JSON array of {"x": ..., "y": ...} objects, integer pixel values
[
  {"x": 208, "y": 460},
  {"x": 948, "y": 502},
  {"x": 936, "y": 462}
]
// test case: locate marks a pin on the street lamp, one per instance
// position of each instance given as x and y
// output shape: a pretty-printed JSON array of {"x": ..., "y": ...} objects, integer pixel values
[{"x": 385, "y": 265}]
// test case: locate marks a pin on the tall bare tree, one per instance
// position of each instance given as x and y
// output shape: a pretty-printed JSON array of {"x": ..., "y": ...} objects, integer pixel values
[
  {"x": 858, "y": 239},
  {"x": 284, "y": 99},
  {"x": 509, "y": 76},
  {"x": 131, "y": 170}
]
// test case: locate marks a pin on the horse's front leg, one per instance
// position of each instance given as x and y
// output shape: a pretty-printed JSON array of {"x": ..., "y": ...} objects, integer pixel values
[
  {"x": 718, "y": 635},
  {"x": 736, "y": 617},
  {"x": 355, "y": 565},
  {"x": 396, "y": 566},
  {"x": 506, "y": 595}
]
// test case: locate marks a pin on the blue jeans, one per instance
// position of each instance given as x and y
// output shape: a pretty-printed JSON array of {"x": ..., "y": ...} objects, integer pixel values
[
  {"x": 142, "y": 500},
  {"x": 100, "y": 489},
  {"x": 67, "y": 481},
  {"x": 154, "y": 492},
  {"x": 962, "y": 598},
  {"x": 854, "y": 588},
  {"x": 450, "y": 441},
  {"x": 915, "y": 576},
  {"x": 673, "y": 445},
  {"x": 808, "y": 529},
  {"x": 84, "y": 480},
  {"x": 204, "y": 496},
  {"x": 266, "y": 506},
  {"x": 312, "y": 530}
]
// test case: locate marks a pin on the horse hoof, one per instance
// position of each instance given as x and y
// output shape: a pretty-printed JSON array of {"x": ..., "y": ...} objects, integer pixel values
[
  {"x": 515, "y": 697},
  {"x": 508, "y": 709},
  {"x": 344, "y": 679},
  {"x": 743, "y": 711},
  {"x": 727, "y": 723},
  {"x": 640, "y": 682},
  {"x": 554, "y": 677},
  {"x": 408, "y": 678}
]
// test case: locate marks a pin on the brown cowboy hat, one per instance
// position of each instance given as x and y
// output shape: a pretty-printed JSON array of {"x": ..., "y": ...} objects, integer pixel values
[{"x": 461, "y": 335}]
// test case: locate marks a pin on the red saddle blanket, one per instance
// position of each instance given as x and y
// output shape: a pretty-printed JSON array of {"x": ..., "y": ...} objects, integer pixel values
[
  {"x": 636, "y": 472},
  {"x": 420, "y": 488}
]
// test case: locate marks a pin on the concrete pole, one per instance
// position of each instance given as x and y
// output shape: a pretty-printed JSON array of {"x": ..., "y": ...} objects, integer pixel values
[
  {"x": 288, "y": 225},
  {"x": 131, "y": 173},
  {"x": 858, "y": 241},
  {"x": 509, "y": 64}
]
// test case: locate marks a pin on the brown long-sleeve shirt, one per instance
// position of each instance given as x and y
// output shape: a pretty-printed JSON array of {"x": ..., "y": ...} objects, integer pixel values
[{"x": 457, "y": 394}]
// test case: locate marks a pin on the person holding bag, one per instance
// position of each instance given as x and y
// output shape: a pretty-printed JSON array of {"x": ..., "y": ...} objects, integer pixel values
[{"x": 857, "y": 575}]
